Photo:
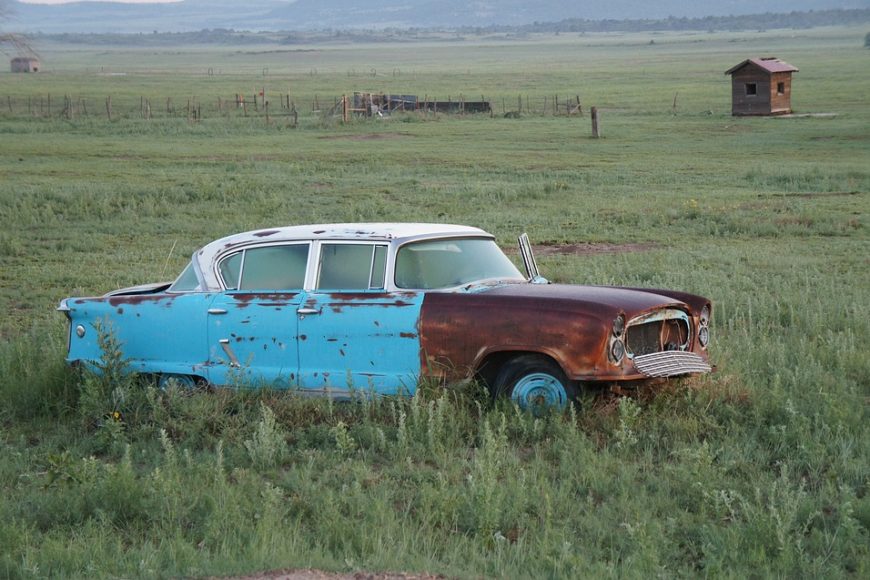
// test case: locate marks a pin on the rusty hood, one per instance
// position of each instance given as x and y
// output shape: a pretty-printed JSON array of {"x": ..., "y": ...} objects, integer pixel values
[{"x": 595, "y": 301}]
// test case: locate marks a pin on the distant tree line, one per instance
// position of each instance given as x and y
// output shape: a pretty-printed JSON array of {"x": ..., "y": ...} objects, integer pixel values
[
  {"x": 228, "y": 36},
  {"x": 795, "y": 20}
]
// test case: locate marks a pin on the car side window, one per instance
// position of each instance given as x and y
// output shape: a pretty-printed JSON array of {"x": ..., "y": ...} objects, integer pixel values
[
  {"x": 352, "y": 267},
  {"x": 276, "y": 268},
  {"x": 230, "y": 269}
]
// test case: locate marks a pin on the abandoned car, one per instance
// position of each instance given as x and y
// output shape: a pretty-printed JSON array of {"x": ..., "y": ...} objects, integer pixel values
[{"x": 343, "y": 308}]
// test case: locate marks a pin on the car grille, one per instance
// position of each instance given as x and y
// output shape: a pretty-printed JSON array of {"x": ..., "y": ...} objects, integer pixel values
[
  {"x": 657, "y": 335},
  {"x": 671, "y": 363}
]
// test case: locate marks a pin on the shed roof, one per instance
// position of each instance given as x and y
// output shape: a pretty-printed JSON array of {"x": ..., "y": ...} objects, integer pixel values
[{"x": 770, "y": 64}]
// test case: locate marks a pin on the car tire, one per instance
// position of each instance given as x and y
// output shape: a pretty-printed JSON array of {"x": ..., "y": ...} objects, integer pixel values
[
  {"x": 186, "y": 382},
  {"x": 534, "y": 382}
]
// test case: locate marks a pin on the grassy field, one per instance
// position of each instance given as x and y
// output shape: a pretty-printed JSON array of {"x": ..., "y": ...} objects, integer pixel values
[{"x": 760, "y": 469}]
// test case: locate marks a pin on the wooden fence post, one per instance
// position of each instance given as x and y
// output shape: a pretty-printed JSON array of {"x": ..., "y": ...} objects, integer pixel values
[
  {"x": 596, "y": 133},
  {"x": 109, "y": 107}
]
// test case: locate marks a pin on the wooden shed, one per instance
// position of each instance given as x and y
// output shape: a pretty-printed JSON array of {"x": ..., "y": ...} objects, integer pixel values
[
  {"x": 24, "y": 64},
  {"x": 761, "y": 86}
]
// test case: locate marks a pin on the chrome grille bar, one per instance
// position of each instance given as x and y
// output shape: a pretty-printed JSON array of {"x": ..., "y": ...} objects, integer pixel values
[{"x": 671, "y": 363}]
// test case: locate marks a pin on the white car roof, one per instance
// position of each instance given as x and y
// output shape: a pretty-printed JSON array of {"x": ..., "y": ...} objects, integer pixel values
[{"x": 389, "y": 232}]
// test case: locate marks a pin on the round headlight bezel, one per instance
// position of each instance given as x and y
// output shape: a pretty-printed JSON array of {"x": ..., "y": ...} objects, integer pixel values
[
  {"x": 617, "y": 351},
  {"x": 704, "y": 317},
  {"x": 618, "y": 328},
  {"x": 703, "y": 336}
]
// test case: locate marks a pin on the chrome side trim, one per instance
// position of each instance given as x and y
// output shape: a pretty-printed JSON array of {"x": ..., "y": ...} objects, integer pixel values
[{"x": 671, "y": 363}]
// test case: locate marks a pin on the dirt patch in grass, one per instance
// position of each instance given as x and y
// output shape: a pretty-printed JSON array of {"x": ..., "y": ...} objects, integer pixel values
[
  {"x": 365, "y": 137},
  {"x": 321, "y": 575},
  {"x": 809, "y": 195},
  {"x": 588, "y": 249}
]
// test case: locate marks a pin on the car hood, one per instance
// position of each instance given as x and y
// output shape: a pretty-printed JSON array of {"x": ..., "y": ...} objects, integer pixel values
[{"x": 602, "y": 300}]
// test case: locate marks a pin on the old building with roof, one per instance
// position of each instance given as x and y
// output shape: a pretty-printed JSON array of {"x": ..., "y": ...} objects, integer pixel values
[
  {"x": 761, "y": 86},
  {"x": 24, "y": 64}
]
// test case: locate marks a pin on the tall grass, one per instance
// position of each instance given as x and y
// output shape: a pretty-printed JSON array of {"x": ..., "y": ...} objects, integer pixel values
[{"x": 759, "y": 469}]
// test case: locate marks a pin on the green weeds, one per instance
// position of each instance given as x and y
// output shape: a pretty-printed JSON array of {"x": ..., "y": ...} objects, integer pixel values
[{"x": 759, "y": 469}]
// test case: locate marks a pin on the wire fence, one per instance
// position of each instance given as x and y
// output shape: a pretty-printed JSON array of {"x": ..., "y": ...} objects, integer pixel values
[{"x": 273, "y": 106}]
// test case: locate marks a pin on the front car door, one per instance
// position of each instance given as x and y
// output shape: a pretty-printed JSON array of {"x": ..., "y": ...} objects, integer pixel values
[
  {"x": 252, "y": 329},
  {"x": 353, "y": 334}
]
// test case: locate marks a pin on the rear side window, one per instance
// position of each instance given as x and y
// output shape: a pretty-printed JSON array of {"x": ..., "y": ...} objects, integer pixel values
[
  {"x": 272, "y": 268},
  {"x": 352, "y": 267}
]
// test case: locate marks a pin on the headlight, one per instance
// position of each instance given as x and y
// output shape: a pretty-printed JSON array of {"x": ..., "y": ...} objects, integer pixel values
[
  {"x": 619, "y": 326},
  {"x": 617, "y": 351},
  {"x": 80, "y": 331},
  {"x": 703, "y": 336},
  {"x": 705, "y": 316}
]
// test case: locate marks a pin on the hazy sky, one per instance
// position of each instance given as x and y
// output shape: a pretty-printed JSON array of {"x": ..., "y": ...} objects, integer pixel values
[{"x": 124, "y": 1}]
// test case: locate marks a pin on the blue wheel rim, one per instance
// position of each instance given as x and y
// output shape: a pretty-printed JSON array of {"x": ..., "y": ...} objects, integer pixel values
[{"x": 540, "y": 391}]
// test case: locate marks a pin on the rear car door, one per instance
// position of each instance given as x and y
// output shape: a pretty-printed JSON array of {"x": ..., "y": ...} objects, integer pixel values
[{"x": 353, "y": 334}]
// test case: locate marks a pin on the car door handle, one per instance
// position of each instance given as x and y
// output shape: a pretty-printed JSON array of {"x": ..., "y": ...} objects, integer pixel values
[
  {"x": 217, "y": 311},
  {"x": 307, "y": 311}
]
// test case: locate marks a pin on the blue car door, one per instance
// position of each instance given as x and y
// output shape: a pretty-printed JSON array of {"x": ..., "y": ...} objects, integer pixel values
[
  {"x": 353, "y": 335},
  {"x": 252, "y": 327}
]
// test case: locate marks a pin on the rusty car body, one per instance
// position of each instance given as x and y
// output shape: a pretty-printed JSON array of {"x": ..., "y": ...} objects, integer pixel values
[{"x": 343, "y": 308}]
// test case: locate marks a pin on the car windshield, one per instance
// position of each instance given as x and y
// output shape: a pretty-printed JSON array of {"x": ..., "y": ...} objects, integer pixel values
[{"x": 436, "y": 264}]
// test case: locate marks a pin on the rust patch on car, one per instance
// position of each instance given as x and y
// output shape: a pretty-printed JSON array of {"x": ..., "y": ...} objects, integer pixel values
[
  {"x": 266, "y": 233},
  {"x": 266, "y": 299},
  {"x": 571, "y": 324},
  {"x": 140, "y": 299}
]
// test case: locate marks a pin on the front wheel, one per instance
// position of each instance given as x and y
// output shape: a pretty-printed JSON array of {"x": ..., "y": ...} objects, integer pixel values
[{"x": 535, "y": 383}]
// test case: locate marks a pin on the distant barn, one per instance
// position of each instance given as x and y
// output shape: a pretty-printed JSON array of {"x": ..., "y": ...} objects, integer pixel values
[
  {"x": 24, "y": 64},
  {"x": 761, "y": 86}
]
